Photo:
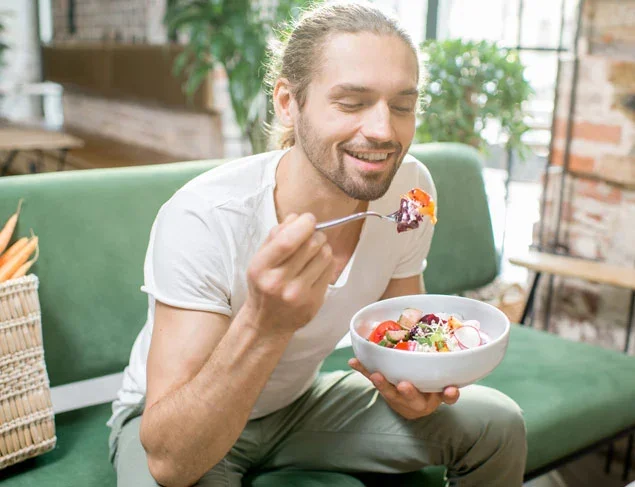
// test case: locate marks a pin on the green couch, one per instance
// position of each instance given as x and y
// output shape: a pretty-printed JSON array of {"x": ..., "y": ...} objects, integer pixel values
[{"x": 94, "y": 226}]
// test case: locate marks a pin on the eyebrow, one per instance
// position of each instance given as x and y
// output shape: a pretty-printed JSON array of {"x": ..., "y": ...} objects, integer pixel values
[{"x": 364, "y": 89}]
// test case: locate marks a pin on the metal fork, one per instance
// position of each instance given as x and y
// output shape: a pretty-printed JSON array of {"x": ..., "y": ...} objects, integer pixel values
[{"x": 340, "y": 221}]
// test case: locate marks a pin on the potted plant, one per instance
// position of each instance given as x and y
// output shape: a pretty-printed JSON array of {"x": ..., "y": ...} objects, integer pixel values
[
  {"x": 468, "y": 85},
  {"x": 234, "y": 34}
]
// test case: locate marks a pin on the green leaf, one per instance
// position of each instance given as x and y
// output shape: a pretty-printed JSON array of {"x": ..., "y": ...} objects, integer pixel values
[
  {"x": 468, "y": 84},
  {"x": 180, "y": 62},
  {"x": 235, "y": 34},
  {"x": 195, "y": 80}
]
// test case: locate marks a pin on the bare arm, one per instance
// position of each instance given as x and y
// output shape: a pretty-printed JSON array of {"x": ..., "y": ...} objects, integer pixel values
[
  {"x": 204, "y": 376},
  {"x": 404, "y": 287},
  {"x": 204, "y": 373}
]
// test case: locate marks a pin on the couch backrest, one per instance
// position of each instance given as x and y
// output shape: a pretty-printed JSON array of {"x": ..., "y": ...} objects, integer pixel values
[
  {"x": 463, "y": 254},
  {"x": 94, "y": 227}
]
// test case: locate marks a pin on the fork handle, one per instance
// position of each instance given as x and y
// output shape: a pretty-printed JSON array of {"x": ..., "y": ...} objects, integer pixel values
[{"x": 346, "y": 219}]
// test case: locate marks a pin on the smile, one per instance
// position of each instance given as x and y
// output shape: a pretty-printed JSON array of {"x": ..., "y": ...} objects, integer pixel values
[
  {"x": 370, "y": 156},
  {"x": 370, "y": 162}
]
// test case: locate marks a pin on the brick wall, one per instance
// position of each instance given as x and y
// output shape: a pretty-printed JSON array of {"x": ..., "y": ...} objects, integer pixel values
[
  {"x": 184, "y": 134},
  {"x": 598, "y": 218},
  {"x": 98, "y": 20}
]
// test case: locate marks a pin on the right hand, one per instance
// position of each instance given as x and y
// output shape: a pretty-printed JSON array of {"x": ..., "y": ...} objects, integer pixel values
[{"x": 288, "y": 276}]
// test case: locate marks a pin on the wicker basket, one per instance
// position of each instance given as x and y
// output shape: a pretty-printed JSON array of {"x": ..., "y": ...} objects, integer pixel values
[
  {"x": 511, "y": 301},
  {"x": 27, "y": 426}
]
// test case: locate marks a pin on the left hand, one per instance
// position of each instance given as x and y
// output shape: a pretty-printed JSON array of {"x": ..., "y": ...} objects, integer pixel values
[{"x": 404, "y": 398}]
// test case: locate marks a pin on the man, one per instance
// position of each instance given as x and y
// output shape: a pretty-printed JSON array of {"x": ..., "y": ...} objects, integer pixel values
[{"x": 246, "y": 298}]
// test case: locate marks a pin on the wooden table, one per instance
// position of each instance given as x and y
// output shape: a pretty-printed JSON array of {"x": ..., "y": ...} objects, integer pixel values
[
  {"x": 561, "y": 265},
  {"x": 15, "y": 138}
]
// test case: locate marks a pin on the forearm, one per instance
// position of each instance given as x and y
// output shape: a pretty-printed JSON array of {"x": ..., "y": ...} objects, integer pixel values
[{"x": 190, "y": 430}]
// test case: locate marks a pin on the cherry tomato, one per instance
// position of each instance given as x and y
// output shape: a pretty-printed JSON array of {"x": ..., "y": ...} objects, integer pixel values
[
  {"x": 380, "y": 331},
  {"x": 409, "y": 346}
]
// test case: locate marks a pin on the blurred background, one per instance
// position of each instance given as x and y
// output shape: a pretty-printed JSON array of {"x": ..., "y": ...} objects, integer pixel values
[{"x": 544, "y": 88}]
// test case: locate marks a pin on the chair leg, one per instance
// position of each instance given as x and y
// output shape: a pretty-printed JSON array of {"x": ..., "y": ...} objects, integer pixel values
[
  {"x": 530, "y": 298},
  {"x": 6, "y": 163},
  {"x": 628, "y": 457},
  {"x": 609, "y": 459},
  {"x": 61, "y": 162},
  {"x": 629, "y": 323}
]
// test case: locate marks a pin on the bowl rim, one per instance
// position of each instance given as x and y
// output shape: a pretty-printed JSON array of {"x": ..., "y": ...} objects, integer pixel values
[{"x": 454, "y": 353}]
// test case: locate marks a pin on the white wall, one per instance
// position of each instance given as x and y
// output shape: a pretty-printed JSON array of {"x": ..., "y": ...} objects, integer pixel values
[{"x": 22, "y": 58}]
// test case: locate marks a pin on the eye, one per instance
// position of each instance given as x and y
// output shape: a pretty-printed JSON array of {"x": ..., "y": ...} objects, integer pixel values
[
  {"x": 350, "y": 106},
  {"x": 403, "y": 109}
]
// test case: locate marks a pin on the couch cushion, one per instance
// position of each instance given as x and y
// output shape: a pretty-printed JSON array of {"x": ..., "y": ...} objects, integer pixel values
[
  {"x": 573, "y": 394},
  {"x": 80, "y": 458},
  {"x": 93, "y": 228}
]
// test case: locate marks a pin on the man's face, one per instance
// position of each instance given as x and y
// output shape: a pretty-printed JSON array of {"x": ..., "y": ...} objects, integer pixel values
[{"x": 359, "y": 116}]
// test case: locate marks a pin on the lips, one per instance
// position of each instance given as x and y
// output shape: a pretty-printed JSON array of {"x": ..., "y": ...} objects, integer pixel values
[
  {"x": 363, "y": 162},
  {"x": 370, "y": 156}
]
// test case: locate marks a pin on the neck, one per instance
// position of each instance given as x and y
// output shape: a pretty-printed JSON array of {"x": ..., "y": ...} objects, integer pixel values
[{"x": 300, "y": 188}]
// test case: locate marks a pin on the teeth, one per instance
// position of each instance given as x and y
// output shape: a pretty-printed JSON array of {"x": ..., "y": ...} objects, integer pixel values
[{"x": 377, "y": 156}]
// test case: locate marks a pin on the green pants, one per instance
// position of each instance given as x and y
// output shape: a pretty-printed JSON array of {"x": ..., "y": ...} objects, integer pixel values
[{"x": 343, "y": 424}]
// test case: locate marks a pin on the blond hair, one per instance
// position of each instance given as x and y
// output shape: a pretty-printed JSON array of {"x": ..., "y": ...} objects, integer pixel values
[{"x": 296, "y": 55}]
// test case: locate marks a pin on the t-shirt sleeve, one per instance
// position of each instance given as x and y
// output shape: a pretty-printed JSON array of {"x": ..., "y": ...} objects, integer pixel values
[
  {"x": 187, "y": 260},
  {"x": 417, "y": 242}
]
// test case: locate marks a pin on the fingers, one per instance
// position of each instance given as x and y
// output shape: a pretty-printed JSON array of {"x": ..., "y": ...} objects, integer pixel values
[
  {"x": 424, "y": 403},
  {"x": 317, "y": 259},
  {"x": 325, "y": 278},
  {"x": 276, "y": 230},
  {"x": 405, "y": 395},
  {"x": 284, "y": 241},
  {"x": 315, "y": 250},
  {"x": 357, "y": 365},
  {"x": 384, "y": 387},
  {"x": 318, "y": 265},
  {"x": 451, "y": 395}
]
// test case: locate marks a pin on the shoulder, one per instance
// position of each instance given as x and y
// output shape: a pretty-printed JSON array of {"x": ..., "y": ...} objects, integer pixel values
[
  {"x": 241, "y": 183},
  {"x": 413, "y": 173},
  {"x": 235, "y": 180}
]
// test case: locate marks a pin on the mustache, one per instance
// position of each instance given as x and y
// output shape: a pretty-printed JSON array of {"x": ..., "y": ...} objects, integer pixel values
[{"x": 387, "y": 146}]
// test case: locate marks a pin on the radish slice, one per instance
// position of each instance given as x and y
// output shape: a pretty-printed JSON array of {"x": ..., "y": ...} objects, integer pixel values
[
  {"x": 475, "y": 323},
  {"x": 468, "y": 337}
]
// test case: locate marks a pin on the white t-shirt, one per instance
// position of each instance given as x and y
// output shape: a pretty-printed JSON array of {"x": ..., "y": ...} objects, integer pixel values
[{"x": 204, "y": 237}]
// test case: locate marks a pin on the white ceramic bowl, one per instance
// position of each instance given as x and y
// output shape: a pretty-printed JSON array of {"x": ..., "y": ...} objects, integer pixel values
[{"x": 431, "y": 372}]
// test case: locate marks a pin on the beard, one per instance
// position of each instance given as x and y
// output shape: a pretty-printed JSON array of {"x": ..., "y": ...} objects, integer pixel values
[{"x": 365, "y": 186}]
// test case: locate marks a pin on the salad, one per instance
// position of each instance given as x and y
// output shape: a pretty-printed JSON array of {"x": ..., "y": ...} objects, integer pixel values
[
  {"x": 415, "y": 204},
  {"x": 433, "y": 332}
]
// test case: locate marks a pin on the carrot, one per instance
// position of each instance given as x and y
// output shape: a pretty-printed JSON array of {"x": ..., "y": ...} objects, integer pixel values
[
  {"x": 15, "y": 262},
  {"x": 24, "y": 268},
  {"x": 11, "y": 251},
  {"x": 9, "y": 227}
]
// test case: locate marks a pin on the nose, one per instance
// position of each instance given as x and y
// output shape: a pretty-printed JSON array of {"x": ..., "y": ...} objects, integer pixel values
[{"x": 378, "y": 124}]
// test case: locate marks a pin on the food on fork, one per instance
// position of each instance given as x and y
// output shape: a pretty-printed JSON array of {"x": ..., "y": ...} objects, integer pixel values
[{"x": 415, "y": 204}]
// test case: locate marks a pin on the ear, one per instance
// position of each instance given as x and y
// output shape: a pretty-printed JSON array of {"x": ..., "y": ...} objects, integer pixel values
[{"x": 284, "y": 103}]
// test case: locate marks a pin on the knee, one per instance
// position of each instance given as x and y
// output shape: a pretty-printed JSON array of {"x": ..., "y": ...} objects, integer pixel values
[
  {"x": 503, "y": 425},
  {"x": 509, "y": 420}
]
